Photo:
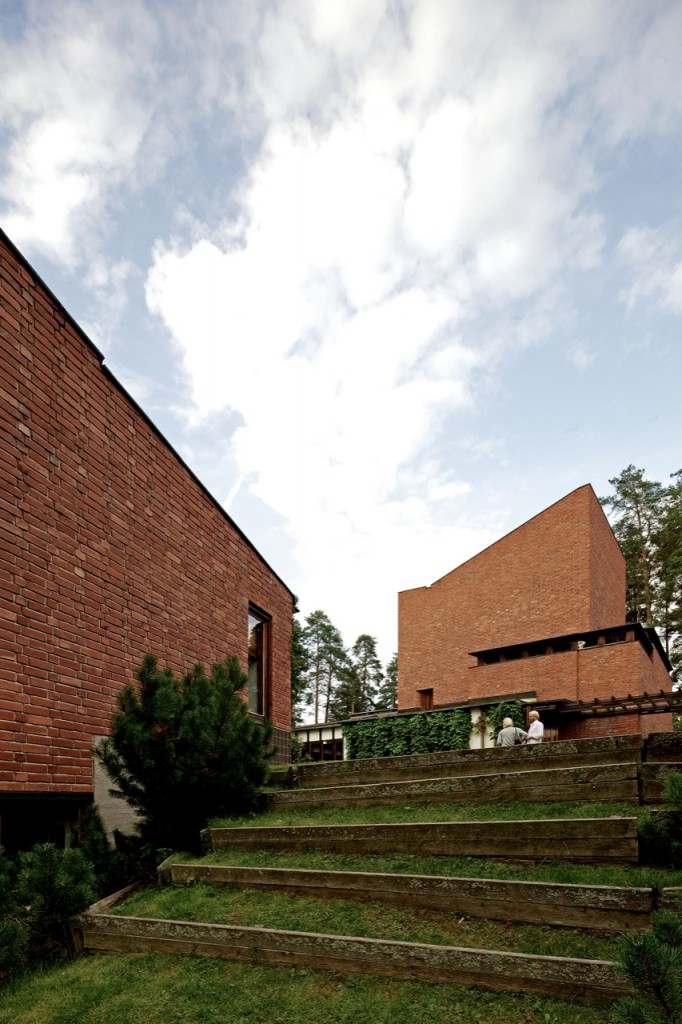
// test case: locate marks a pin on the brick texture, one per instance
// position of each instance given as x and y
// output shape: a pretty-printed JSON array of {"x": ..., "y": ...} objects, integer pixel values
[
  {"x": 111, "y": 548},
  {"x": 562, "y": 572}
]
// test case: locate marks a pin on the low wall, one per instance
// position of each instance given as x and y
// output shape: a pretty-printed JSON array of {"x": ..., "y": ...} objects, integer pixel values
[
  {"x": 584, "y": 840},
  {"x": 591, "y": 981},
  {"x": 602, "y": 908}
]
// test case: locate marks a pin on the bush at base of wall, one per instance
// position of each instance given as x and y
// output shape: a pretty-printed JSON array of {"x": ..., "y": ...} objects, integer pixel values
[{"x": 413, "y": 734}]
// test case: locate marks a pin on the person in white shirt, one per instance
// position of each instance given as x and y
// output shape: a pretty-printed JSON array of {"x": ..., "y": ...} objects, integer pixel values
[{"x": 536, "y": 729}]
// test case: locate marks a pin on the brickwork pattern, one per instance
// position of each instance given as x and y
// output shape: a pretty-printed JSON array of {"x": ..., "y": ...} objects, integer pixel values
[
  {"x": 110, "y": 549},
  {"x": 561, "y": 572}
]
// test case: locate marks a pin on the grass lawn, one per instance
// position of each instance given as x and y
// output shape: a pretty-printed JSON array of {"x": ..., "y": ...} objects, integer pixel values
[
  {"x": 453, "y": 867},
  {"x": 251, "y": 907},
  {"x": 182, "y": 990},
  {"x": 415, "y": 812}
]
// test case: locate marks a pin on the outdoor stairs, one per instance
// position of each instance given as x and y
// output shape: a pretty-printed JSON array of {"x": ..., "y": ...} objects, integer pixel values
[
  {"x": 606, "y": 770},
  {"x": 616, "y": 762}
]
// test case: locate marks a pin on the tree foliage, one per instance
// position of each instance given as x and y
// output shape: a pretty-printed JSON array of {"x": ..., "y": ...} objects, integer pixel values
[
  {"x": 183, "y": 751},
  {"x": 358, "y": 689},
  {"x": 299, "y": 666},
  {"x": 652, "y": 960},
  {"x": 326, "y": 662},
  {"x": 387, "y": 694},
  {"x": 409, "y": 734},
  {"x": 333, "y": 682},
  {"x": 646, "y": 517},
  {"x": 39, "y": 894}
]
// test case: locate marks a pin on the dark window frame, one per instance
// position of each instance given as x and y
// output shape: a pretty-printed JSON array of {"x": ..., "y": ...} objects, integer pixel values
[{"x": 258, "y": 660}]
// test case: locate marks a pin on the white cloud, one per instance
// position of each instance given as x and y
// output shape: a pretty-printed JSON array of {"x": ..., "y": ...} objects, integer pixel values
[
  {"x": 67, "y": 93},
  {"x": 407, "y": 192},
  {"x": 656, "y": 266}
]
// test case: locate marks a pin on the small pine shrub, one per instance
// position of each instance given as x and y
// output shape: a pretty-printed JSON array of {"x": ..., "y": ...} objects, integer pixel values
[
  {"x": 652, "y": 961},
  {"x": 660, "y": 834},
  {"x": 184, "y": 751},
  {"x": 52, "y": 885},
  {"x": 13, "y": 947}
]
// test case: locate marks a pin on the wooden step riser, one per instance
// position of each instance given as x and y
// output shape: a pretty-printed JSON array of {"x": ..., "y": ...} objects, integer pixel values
[
  {"x": 604, "y": 840},
  {"x": 605, "y": 784},
  {"x": 653, "y": 780},
  {"x": 567, "y": 754},
  {"x": 591, "y": 981},
  {"x": 609, "y": 909}
]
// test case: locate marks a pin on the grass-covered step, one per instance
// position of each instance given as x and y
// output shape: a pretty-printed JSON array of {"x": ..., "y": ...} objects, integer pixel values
[
  {"x": 593, "y": 981},
  {"x": 601, "y": 840},
  {"x": 605, "y": 908},
  {"x": 454, "y": 763},
  {"x": 602, "y": 783}
]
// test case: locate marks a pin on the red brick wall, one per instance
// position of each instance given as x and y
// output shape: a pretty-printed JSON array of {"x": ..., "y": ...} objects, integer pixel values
[
  {"x": 561, "y": 572},
  {"x": 110, "y": 549}
]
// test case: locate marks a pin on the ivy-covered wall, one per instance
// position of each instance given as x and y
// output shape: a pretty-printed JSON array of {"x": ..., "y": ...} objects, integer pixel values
[{"x": 422, "y": 733}]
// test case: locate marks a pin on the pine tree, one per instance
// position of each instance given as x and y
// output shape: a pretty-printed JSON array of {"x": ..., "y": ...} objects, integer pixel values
[
  {"x": 326, "y": 663},
  {"x": 181, "y": 752},
  {"x": 647, "y": 521},
  {"x": 299, "y": 666},
  {"x": 636, "y": 505},
  {"x": 52, "y": 885},
  {"x": 357, "y": 691},
  {"x": 652, "y": 961},
  {"x": 387, "y": 695}
]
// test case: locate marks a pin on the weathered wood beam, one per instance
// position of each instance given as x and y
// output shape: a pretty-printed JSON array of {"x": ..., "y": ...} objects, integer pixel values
[
  {"x": 604, "y": 908},
  {"x": 587, "y": 840},
  {"x": 592, "y": 981}
]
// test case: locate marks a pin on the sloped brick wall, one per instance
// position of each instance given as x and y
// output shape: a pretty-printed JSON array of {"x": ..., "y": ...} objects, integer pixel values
[
  {"x": 111, "y": 548},
  {"x": 558, "y": 573}
]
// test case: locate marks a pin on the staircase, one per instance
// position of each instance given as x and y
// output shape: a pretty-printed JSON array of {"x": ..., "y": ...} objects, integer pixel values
[{"x": 604, "y": 770}]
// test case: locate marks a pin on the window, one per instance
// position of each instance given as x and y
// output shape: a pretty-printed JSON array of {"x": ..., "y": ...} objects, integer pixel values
[{"x": 258, "y": 660}]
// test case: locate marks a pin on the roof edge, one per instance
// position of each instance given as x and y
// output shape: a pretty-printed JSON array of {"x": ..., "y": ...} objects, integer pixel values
[{"x": 138, "y": 408}]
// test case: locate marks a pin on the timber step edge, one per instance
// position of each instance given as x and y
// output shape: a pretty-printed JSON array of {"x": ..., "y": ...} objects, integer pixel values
[
  {"x": 604, "y": 783},
  {"x": 563, "y": 753},
  {"x": 593, "y": 907},
  {"x": 585, "y": 840},
  {"x": 590, "y": 981}
]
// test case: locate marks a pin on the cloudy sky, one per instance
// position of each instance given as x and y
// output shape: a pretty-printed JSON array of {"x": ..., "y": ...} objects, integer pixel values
[{"x": 392, "y": 276}]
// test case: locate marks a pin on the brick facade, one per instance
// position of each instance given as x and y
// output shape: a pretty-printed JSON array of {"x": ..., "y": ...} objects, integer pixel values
[
  {"x": 560, "y": 573},
  {"x": 111, "y": 548}
]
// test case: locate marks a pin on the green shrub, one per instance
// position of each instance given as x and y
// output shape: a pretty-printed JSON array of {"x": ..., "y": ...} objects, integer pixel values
[
  {"x": 409, "y": 734},
  {"x": 112, "y": 869},
  {"x": 652, "y": 961},
  {"x": 51, "y": 886},
  {"x": 660, "y": 834},
  {"x": 508, "y": 709},
  {"x": 13, "y": 947},
  {"x": 184, "y": 751}
]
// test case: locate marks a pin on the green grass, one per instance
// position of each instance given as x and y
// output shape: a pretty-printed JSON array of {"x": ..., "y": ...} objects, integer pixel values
[
  {"x": 452, "y": 867},
  {"x": 249, "y": 907},
  {"x": 415, "y": 812},
  {"x": 182, "y": 990}
]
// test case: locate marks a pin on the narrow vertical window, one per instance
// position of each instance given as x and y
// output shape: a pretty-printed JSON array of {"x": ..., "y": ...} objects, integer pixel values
[{"x": 258, "y": 660}]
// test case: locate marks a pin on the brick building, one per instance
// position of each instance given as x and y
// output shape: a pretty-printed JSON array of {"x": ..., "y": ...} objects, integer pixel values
[
  {"x": 540, "y": 615},
  {"x": 111, "y": 548}
]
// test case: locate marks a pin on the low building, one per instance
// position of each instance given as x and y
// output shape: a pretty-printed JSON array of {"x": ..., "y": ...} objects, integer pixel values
[
  {"x": 538, "y": 616},
  {"x": 111, "y": 548}
]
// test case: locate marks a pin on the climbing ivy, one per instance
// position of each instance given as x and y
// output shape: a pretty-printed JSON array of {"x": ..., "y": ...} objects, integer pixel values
[
  {"x": 509, "y": 709},
  {"x": 409, "y": 734}
]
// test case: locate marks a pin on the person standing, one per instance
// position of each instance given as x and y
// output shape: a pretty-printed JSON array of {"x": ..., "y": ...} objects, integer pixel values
[
  {"x": 509, "y": 735},
  {"x": 536, "y": 730}
]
